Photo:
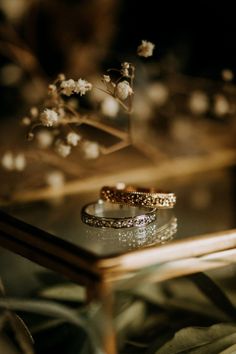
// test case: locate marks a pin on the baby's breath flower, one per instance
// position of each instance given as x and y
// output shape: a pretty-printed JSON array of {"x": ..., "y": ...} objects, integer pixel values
[
  {"x": 8, "y": 161},
  {"x": 123, "y": 90},
  {"x": 52, "y": 89},
  {"x": 30, "y": 136},
  {"x": 227, "y": 75},
  {"x": 110, "y": 107},
  {"x": 145, "y": 49},
  {"x": 198, "y": 102},
  {"x": 55, "y": 179},
  {"x": 158, "y": 93},
  {"x": 26, "y": 121},
  {"x": 34, "y": 112},
  {"x": 61, "y": 77},
  {"x": 68, "y": 87},
  {"x": 62, "y": 149},
  {"x": 221, "y": 105},
  {"x": 106, "y": 78},
  {"x": 125, "y": 69},
  {"x": 44, "y": 139},
  {"x": 20, "y": 162},
  {"x": 73, "y": 138},
  {"x": 125, "y": 65},
  {"x": 82, "y": 86},
  {"x": 49, "y": 117},
  {"x": 11, "y": 162},
  {"x": 91, "y": 149}
]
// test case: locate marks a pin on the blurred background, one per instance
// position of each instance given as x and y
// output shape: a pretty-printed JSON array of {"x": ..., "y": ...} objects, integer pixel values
[{"x": 79, "y": 37}]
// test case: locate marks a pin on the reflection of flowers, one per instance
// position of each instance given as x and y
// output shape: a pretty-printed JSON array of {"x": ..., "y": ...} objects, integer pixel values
[{"x": 134, "y": 237}]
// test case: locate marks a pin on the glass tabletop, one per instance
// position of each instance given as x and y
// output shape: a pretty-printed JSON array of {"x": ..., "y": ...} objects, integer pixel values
[{"x": 205, "y": 204}]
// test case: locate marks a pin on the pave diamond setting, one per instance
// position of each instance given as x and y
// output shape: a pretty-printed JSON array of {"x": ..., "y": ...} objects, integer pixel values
[
  {"x": 132, "y": 196},
  {"x": 148, "y": 217}
]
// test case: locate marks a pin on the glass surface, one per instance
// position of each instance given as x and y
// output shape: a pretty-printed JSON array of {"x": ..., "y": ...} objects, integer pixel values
[{"x": 205, "y": 204}]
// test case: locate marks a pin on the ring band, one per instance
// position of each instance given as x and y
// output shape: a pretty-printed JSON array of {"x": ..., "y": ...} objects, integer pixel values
[
  {"x": 92, "y": 215},
  {"x": 138, "y": 197}
]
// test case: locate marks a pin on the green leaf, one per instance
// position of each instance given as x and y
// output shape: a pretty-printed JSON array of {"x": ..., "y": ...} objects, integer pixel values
[
  {"x": 217, "y": 346},
  {"x": 230, "y": 350},
  {"x": 22, "y": 333},
  {"x": 190, "y": 338},
  {"x": 64, "y": 292},
  {"x": 213, "y": 292}
]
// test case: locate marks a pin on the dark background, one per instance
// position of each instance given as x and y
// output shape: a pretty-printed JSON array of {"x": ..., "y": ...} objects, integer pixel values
[
  {"x": 199, "y": 35},
  {"x": 202, "y": 34}
]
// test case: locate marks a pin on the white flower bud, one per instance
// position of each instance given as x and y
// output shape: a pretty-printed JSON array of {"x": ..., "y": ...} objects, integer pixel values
[
  {"x": 52, "y": 89},
  {"x": 44, "y": 139},
  {"x": 61, "y": 77},
  {"x": 158, "y": 93},
  {"x": 34, "y": 112},
  {"x": 125, "y": 69},
  {"x": 62, "y": 149},
  {"x": 221, "y": 105},
  {"x": 8, "y": 161},
  {"x": 227, "y": 75},
  {"x": 198, "y": 102},
  {"x": 91, "y": 150},
  {"x": 123, "y": 90},
  {"x": 55, "y": 179},
  {"x": 49, "y": 117},
  {"x": 82, "y": 86},
  {"x": 68, "y": 87},
  {"x": 106, "y": 78},
  {"x": 73, "y": 138},
  {"x": 20, "y": 162},
  {"x": 110, "y": 107},
  {"x": 145, "y": 49},
  {"x": 26, "y": 121}
]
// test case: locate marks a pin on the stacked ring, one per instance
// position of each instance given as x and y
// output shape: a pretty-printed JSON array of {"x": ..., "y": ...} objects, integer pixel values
[
  {"x": 94, "y": 214},
  {"x": 138, "y": 197}
]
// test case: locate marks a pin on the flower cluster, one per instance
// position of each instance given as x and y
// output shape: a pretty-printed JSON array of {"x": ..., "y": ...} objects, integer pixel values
[
  {"x": 57, "y": 125},
  {"x": 61, "y": 119},
  {"x": 78, "y": 87},
  {"x": 121, "y": 88}
]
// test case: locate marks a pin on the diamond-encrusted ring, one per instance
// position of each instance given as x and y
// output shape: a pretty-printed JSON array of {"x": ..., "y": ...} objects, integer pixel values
[
  {"x": 100, "y": 214},
  {"x": 138, "y": 197}
]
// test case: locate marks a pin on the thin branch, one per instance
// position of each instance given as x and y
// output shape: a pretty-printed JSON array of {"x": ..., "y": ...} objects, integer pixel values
[{"x": 116, "y": 147}]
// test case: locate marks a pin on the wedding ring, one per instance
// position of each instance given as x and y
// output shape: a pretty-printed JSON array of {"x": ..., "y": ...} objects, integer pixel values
[
  {"x": 138, "y": 197},
  {"x": 100, "y": 214}
]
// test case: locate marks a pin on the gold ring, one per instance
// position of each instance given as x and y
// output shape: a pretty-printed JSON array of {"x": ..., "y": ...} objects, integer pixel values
[{"x": 138, "y": 197}]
